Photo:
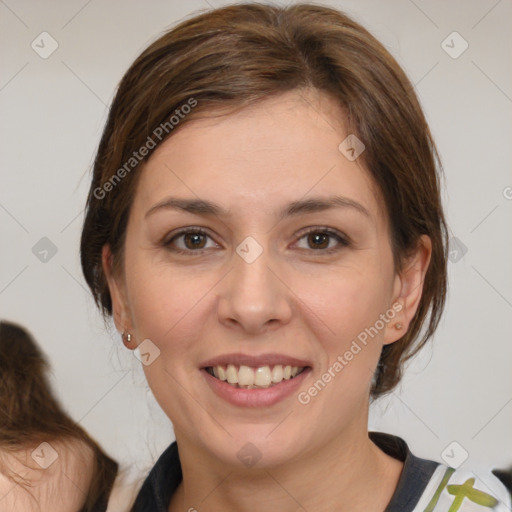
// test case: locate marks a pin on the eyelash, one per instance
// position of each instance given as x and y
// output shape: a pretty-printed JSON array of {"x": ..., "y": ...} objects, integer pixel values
[{"x": 342, "y": 240}]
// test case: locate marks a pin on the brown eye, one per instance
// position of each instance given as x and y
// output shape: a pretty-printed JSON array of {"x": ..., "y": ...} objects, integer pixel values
[
  {"x": 323, "y": 240},
  {"x": 194, "y": 240},
  {"x": 190, "y": 241},
  {"x": 318, "y": 240}
]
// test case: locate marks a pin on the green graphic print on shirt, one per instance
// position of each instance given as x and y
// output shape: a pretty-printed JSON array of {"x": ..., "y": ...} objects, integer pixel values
[{"x": 462, "y": 494}]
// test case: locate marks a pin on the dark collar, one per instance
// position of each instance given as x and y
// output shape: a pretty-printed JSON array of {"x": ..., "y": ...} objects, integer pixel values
[
  {"x": 415, "y": 476},
  {"x": 158, "y": 488}
]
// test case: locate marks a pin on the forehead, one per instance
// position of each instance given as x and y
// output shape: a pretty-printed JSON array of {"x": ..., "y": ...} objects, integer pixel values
[{"x": 278, "y": 150}]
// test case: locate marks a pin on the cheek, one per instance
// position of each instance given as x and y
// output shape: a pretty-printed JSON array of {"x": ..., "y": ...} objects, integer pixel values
[
  {"x": 175, "y": 309},
  {"x": 348, "y": 303},
  {"x": 162, "y": 305},
  {"x": 169, "y": 309}
]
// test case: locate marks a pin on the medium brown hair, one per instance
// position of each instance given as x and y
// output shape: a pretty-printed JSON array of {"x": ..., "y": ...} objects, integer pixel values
[
  {"x": 237, "y": 55},
  {"x": 30, "y": 414}
]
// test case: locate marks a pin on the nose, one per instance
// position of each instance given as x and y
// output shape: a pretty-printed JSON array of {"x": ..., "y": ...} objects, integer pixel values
[{"x": 253, "y": 296}]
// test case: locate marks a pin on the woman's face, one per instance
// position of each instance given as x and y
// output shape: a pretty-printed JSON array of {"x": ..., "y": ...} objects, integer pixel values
[{"x": 254, "y": 244}]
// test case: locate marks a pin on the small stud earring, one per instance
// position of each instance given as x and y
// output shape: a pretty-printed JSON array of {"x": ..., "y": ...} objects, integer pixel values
[
  {"x": 127, "y": 337},
  {"x": 398, "y": 326}
]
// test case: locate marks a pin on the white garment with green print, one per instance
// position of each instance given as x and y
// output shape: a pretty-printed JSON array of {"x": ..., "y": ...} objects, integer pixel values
[{"x": 451, "y": 490}]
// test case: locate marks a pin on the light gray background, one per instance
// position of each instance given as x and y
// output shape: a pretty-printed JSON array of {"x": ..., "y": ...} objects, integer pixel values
[{"x": 52, "y": 114}]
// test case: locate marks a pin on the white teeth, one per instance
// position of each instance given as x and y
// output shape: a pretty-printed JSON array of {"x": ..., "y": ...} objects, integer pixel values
[
  {"x": 245, "y": 376},
  {"x": 249, "y": 378},
  {"x": 277, "y": 373},
  {"x": 262, "y": 376},
  {"x": 221, "y": 373},
  {"x": 231, "y": 374}
]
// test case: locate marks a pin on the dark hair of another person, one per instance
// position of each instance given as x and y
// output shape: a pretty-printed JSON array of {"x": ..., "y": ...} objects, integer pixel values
[{"x": 30, "y": 414}]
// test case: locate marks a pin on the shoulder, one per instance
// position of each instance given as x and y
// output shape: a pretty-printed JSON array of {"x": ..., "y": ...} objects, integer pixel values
[
  {"x": 463, "y": 490},
  {"x": 429, "y": 486}
]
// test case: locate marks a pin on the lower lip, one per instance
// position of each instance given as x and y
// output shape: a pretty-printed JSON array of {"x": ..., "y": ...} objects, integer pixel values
[{"x": 264, "y": 397}]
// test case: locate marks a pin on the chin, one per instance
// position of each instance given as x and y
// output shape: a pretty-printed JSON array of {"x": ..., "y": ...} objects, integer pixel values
[{"x": 256, "y": 446}]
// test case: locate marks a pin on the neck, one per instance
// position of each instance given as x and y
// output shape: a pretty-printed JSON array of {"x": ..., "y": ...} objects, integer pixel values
[{"x": 349, "y": 473}]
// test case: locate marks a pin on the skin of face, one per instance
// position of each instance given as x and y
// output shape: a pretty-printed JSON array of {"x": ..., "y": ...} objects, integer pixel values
[{"x": 293, "y": 299}]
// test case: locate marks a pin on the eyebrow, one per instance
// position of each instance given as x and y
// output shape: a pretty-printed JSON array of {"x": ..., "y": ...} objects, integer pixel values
[{"x": 311, "y": 205}]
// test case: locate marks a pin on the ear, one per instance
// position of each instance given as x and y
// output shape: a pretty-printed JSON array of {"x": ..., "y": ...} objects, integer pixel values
[
  {"x": 120, "y": 309},
  {"x": 408, "y": 289}
]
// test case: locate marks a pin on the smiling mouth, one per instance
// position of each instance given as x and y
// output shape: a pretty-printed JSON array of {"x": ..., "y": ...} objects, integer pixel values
[{"x": 247, "y": 377}]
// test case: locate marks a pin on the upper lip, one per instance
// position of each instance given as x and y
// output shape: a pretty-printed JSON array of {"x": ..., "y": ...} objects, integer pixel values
[{"x": 255, "y": 361}]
